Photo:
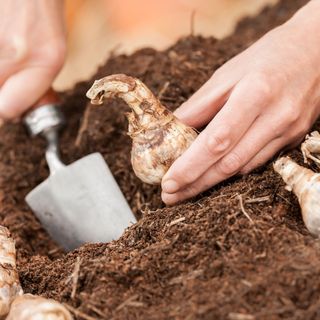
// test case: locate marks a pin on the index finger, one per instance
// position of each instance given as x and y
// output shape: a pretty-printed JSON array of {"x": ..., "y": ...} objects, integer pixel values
[
  {"x": 220, "y": 136},
  {"x": 22, "y": 90}
]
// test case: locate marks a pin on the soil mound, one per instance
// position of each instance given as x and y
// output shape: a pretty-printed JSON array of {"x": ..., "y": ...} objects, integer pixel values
[{"x": 204, "y": 259}]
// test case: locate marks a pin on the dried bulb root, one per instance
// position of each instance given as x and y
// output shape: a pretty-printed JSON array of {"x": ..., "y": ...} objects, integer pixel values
[
  {"x": 30, "y": 307},
  {"x": 310, "y": 148},
  {"x": 306, "y": 186},
  {"x": 158, "y": 137},
  {"x": 9, "y": 279}
]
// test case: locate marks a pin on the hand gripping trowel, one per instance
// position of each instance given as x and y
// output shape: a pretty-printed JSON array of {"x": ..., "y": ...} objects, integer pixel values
[{"x": 80, "y": 202}]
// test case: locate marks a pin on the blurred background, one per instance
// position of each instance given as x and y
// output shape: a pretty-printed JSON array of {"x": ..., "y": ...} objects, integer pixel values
[{"x": 96, "y": 27}]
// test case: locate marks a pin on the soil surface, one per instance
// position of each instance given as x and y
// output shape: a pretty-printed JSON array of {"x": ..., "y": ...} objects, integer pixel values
[{"x": 203, "y": 259}]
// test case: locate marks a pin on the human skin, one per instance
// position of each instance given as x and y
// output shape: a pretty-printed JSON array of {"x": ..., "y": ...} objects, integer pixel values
[
  {"x": 32, "y": 52},
  {"x": 264, "y": 99}
]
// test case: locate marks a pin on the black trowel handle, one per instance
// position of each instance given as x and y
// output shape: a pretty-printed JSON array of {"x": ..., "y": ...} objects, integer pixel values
[{"x": 45, "y": 119}]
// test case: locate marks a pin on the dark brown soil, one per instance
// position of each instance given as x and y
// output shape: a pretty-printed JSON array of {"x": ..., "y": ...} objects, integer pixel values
[{"x": 200, "y": 260}]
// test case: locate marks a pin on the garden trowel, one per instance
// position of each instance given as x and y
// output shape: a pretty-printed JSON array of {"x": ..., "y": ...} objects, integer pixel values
[{"x": 80, "y": 202}]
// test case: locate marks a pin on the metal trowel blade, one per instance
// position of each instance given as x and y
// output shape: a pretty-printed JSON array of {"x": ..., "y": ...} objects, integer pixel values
[{"x": 81, "y": 203}]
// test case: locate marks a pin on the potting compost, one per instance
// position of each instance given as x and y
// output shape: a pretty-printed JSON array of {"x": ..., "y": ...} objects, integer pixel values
[{"x": 237, "y": 251}]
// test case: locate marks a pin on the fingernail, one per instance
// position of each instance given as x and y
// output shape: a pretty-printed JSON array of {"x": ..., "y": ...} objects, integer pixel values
[
  {"x": 168, "y": 199},
  {"x": 170, "y": 186}
]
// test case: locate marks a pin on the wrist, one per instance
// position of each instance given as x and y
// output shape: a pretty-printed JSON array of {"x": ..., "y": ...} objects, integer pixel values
[
  {"x": 308, "y": 16},
  {"x": 303, "y": 30}
]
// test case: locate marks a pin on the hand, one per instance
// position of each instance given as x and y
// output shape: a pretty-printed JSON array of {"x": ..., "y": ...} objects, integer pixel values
[
  {"x": 262, "y": 100},
  {"x": 32, "y": 51}
]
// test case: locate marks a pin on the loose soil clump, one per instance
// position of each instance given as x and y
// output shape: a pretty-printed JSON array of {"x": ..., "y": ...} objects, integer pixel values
[{"x": 238, "y": 251}]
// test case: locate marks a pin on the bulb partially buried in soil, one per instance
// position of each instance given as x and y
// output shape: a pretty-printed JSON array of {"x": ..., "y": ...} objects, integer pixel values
[
  {"x": 306, "y": 186},
  {"x": 30, "y": 307},
  {"x": 9, "y": 279},
  {"x": 158, "y": 137},
  {"x": 22, "y": 306}
]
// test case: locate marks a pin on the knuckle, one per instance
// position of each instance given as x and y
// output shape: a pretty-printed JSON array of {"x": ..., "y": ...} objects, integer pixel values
[
  {"x": 276, "y": 126},
  {"x": 292, "y": 114},
  {"x": 218, "y": 141},
  {"x": 262, "y": 85},
  {"x": 55, "y": 55},
  {"x": 230, "y": 164}
]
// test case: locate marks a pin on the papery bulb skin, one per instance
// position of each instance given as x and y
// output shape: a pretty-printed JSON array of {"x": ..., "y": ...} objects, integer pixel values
[
  {"x": 30, "y": 307},
  {"x": 12, "y": 300},
  {"x": 310, "y": 148},
  {"x": 9, "y": 279},
  {"x": 306, "y": 186},
  {"x": 154, "y": 151},
  {"x": 158, "y": 137}
]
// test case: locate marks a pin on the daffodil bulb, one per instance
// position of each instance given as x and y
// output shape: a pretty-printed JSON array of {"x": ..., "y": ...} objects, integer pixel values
[
  {"x": 306, "y": 186},
  {"x": 30, "y": 307},
  {"x": 9, "y": 279},
  {"x": 158, "y": 137}
]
